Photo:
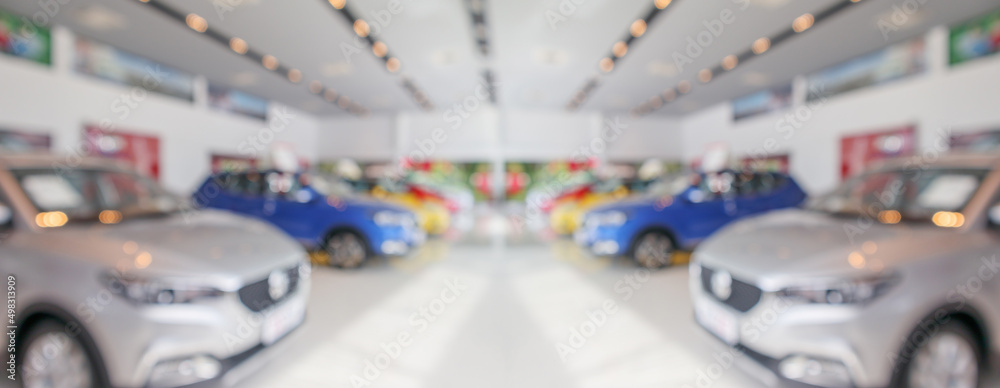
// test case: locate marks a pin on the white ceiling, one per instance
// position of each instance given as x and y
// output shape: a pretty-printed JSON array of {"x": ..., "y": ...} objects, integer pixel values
[{"x": 536, "y": 66}]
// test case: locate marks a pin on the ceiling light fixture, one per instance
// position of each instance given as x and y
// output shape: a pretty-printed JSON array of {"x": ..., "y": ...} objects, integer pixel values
[
  {"x": 683, "y": 87},
  {"x": 362, "y": 28},
  {"x": 330, "y": 95},
  {"x": 803, "y": 22},
  {"x": 196, "y": 22},
  {"x": 620, "y": 49},
  {"x": 638, "y": 28},
  {"x": 607, "y": 64},
  {"x": 343, "y": 102},
  {"x": 705, "y": 75},
  {"x": 239, "y": 45},
  {"x": 316, "y": 87},
  {"x": 392, "y": 64},
  {"x": 294, "y": 75},
  {"x": 730, "y": 62},
  {"x": 669, "y": 95},
  {"x": 269, "y": 62},
  {"x": 380, "y": 49},
  {"x": 761, "y": 45},
  {"x": 338, "y": 4},
  {"x": 661, "y": 4}
]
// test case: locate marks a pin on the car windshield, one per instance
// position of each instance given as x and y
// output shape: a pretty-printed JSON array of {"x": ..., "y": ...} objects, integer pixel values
[
  {"x": 903, "y": 195},
  {"x": 670, "y": 185},
  {"x": 331, "y": 185},
  {"x": 82, "y": 194}
]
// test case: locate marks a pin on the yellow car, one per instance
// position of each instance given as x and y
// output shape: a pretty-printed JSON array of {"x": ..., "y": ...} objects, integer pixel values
[
  {"x": 567, "y": 216},
  {"x": 432, "y": 216}
]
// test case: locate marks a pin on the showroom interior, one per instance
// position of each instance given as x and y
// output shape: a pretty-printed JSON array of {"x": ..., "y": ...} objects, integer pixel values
[{"x": 500, "y": 193}]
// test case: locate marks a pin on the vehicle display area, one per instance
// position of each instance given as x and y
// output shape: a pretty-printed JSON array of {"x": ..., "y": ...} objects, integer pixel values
[{"x": 500, "y": 193}]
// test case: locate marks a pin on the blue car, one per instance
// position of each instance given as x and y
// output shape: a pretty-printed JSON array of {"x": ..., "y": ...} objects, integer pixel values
[
  {"x": 679, "y": 213},
  {"x": 321, "y": 212}
]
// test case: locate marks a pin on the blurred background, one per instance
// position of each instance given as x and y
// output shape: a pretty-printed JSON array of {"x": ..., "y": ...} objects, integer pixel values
[{"x": 510, "y": 131}]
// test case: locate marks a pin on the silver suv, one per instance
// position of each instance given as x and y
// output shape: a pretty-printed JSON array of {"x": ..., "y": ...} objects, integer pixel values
[
  {"x": 888, "y": 281},
  {"x": 113, "y": 282}
]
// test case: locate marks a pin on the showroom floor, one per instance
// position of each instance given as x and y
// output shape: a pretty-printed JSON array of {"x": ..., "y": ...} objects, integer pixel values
[{"x": 503, "y": 329}]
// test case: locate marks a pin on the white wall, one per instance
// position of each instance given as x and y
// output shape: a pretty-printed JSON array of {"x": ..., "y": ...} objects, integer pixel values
[
  {"x": 56, "y": 101},
  {"x": 964, "y": 98},
  {"x": 361, "y": 139}
]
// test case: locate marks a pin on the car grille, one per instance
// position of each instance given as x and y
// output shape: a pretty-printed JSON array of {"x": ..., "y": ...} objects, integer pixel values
[
  {"x": 257, "y": 297},
  {"x": 743, "y": 298}
]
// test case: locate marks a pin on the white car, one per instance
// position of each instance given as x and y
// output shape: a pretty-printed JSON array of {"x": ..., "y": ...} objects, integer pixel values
[{"x": 115, "y": 283}]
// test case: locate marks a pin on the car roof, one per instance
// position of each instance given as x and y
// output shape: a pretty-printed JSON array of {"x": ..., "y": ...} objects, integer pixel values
[
  {"x": 960, "y": 159},
  {"x": 48, "y": 160}
]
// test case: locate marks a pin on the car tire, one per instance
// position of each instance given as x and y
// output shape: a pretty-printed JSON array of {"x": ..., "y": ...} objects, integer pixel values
[
  {"x": 924, "y": 367},
  {"x": 346, "y": 250},
  {"x": 653, "y": 250},
  {"x": 53, "y": 357}
]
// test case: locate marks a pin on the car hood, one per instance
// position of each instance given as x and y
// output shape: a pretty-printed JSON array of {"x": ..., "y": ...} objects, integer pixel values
[
  {"x": 375, "y": 204},
  {"x": 224, "y": 248},
  {"x": 788, "y": 246},
  {"x": 627, "y": 205}
]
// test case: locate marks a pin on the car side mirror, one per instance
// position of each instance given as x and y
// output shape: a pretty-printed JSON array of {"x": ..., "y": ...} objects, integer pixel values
[{"x": 994, "y": 215}]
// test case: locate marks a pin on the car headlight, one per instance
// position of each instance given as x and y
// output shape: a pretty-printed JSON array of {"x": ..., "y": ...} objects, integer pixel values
[
  {"x": 391, "y": 218},
  {"x": 148, "y": 291},
  {"x": 612, "y": 218},
  {"x": 858, "y": 291}
]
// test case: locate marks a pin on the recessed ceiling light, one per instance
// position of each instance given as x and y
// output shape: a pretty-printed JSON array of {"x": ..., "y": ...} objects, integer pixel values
[
  {"x": 705, "y": 75},
  {"x": 620, "y": 49},
  {"x": 380, "y": 49},
  {"x": 730, "y": 62},
  {"x": 245, "y": 78},
  {"x": 803, "y": 22},
  {"x": 607, "y": 64},
  {"x": 661, "y": 4},
  {"x": 238, "y": 45},
  {"x": 669, "y": 95},
  {"x": 337, "y": 69},
  {"x": 361, "y": 28},
  {"x": 683, "y": 87},
  {"x": 330, "y": 95},
  {"x": 338, "y": 4},
  {"x": 343, "y": 102},
  {"x": 661, "y": 68},
  {"x": 99, "y": 18},
  {"x": 638, "y": 28},
  {"x": 269, "y": 62},
  {"x": 547, "y": 56},
  {"x": 316, "y": 87},
  {"x": 196, "y": 22},
  {"x": 656, "y": 102},
  {"x": 294, "y": 75},
  {"x": 761, "y": 45},
  {"x": 392, "y": 64},
  {"x": 756, "y": 79}
]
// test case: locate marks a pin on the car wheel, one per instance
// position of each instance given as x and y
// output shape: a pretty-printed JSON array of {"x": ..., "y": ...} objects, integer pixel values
[
  {"x": 949, "y": 358},
  {"x": 346, "y": 250},
  {"x": 55, "y": 359},
  {"x": 654, "y": 250}
]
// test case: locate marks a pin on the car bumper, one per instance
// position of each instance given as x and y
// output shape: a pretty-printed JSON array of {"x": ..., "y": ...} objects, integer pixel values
[
  {"x": 603, "y": 240},
  {"x": 851, "y": 346},
  {"x": 213, "y": 343}
]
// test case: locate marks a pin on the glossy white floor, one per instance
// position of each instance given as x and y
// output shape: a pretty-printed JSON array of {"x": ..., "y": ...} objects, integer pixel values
[{"x": 515, "y": 311}]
